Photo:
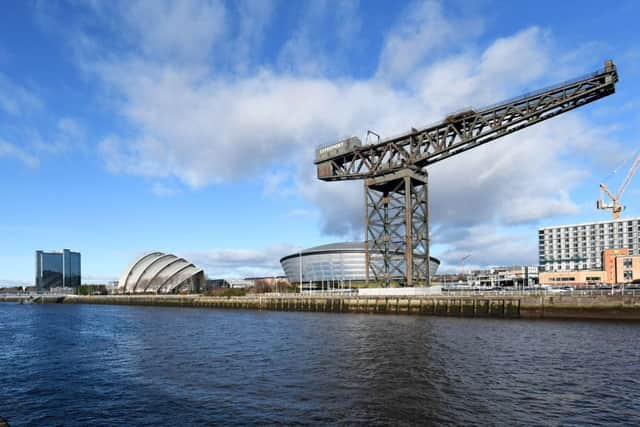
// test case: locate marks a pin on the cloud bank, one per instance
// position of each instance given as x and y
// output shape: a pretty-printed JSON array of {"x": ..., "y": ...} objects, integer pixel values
[{"x": 203, "y": 110}]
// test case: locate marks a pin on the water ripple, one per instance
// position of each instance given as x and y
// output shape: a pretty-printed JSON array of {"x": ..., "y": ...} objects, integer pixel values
[{"x": 100, "y": 365}]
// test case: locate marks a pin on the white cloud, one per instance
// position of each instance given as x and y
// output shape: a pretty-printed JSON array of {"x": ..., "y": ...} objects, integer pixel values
[
  {"x": 239, "y": 263},
  {"x": 184, "y": 30},
  {"x": 70, "y": 128},
  {"x": 277, "y": 184},
  {"x": 349, "y": 20},
  {"x": 29, "y": 132},
  {"x": 341, "y": 204},
  {"x": 254, "y": 17},
  {"x": 205, "y": 130},
  {"x": 162, "y": 189},
  {"x": 301, "y": 213},
  {"x": 67, "y": 135},
  {"x": 11, "y": 150},
  {"x": 16, "y": 100},
  {"x": 521, "y": 179},
  {"x": 481, "y": 78},
  {"x": 311, "y": 50},
  {"x": 422, "y": 32},
  {"x": 205, "y": 127},
  {"x": 487, "y": 245}
]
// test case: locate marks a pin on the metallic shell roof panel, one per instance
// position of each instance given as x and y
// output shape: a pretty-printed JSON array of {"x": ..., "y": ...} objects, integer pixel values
[
  {"x": 156, "y": 272},
  {"x": 337, "y": 248}
]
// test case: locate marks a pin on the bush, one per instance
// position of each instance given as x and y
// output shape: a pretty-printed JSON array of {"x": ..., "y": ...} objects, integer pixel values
[
  {"x": 226, "y": 292},
  {"x": 91, "y": 290}
]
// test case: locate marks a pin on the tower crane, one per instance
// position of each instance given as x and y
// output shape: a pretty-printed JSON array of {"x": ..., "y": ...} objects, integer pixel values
[
  {"x": 395, "y": 175},
  {"x": 462, "y": 260},
  {"x": 615, "y": 206}
]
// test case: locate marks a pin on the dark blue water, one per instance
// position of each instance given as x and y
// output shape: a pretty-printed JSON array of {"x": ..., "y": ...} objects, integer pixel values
[{"x": 117, "y": 365}]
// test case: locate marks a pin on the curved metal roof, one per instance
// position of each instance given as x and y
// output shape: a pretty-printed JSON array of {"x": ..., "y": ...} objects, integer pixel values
[
  {"x": 339, "y": 246},
  {"x": 157, "y": 272},
  {"x": 335, "y": 248}
]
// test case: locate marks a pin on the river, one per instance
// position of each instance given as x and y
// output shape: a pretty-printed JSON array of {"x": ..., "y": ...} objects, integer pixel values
[{"x": 78, "y": 365}]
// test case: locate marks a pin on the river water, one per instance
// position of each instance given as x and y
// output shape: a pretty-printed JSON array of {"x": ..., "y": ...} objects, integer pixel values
[{"x": 124, "y": 365}]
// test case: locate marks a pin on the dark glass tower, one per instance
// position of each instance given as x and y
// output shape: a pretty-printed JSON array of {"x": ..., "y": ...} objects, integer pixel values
[{"x": 57, "y": 269}]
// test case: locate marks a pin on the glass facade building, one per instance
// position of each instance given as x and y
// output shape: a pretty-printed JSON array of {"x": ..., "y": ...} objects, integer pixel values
[{"x": 58, "y": 269}]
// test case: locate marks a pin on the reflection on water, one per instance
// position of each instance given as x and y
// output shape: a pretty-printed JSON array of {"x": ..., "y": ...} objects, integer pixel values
[{"x": 114, "y": 365}]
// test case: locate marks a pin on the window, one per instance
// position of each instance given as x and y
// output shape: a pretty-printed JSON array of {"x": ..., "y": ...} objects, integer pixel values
[
  {"x": 562, "y": 279},
  {"x": 628, "y": 275},
  {"x": 627, "y": 262}
]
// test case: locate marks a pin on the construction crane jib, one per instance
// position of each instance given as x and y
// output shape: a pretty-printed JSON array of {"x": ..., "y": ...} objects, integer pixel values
[
  {"x": 615, "y": 206},
  {"x": 396, "y": 179}
]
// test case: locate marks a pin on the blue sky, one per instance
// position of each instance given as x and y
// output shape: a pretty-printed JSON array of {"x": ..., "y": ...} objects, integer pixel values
[{"x": 190, "y": 126}]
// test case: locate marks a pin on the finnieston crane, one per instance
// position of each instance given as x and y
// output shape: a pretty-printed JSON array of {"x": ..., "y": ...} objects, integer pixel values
[
  {"x": 395, "y": 174},
  {"x": 615, "y": 206}
]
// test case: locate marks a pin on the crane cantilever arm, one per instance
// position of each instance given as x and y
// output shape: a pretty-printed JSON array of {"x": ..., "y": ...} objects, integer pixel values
[
  {"x": 630, "y": 175},
  {"x": 465, "y": 130},
  {"x": 609, "y": 193}
]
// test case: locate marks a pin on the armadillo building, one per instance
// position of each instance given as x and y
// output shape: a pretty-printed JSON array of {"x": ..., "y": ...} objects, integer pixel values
[
  {"x": 332, "y": 263},
  {"x": 157, "y": 272}
]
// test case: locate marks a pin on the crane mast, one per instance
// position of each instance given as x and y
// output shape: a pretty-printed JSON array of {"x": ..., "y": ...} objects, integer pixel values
[
  {"x": 395, "y": 175},
  {"x": 615, "y": 206}
]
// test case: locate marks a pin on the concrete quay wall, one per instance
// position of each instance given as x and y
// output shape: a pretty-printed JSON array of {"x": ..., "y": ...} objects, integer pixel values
[
  {"x": 468, "y": 307},
  {"x": 615, "y": 307},
  {"x": 622, "y": 307}
]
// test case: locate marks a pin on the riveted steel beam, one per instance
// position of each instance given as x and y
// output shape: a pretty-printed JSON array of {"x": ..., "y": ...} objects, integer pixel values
[
  {"x": 397, "y": 238},
  {"x": 467, "y": 129}
]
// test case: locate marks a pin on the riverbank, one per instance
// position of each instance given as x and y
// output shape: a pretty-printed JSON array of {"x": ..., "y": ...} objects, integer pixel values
[{"x": 614, "y": 307}]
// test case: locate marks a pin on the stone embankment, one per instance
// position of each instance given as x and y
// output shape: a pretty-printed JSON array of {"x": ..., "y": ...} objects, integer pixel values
[{"x": 615, "y": 307}]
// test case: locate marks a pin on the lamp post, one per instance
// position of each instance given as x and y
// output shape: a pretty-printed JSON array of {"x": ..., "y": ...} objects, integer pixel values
[{"x": 300, "y": 268}]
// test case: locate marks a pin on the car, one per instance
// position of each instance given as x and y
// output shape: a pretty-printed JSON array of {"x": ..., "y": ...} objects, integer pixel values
[{"x": 562, "y": 290}]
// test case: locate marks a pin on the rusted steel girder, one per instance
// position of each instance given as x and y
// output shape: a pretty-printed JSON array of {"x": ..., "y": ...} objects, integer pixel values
[
  {"x": 465, "y": 130},
  {"x": 397, "y": 223}
]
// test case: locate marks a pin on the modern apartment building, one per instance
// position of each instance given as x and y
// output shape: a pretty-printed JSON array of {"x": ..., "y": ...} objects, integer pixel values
[
  {"x": 619, "y": 268},
  {"x": 58, "y": 269},
  {"x": 578, "y": 247}
]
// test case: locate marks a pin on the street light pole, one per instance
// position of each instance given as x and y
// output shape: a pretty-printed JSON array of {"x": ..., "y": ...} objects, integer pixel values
[{"x": 300, "y": 269}]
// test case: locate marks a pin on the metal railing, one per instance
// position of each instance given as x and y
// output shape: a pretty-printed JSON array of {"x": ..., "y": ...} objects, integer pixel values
[
  {"x": 459, "y": 293},
  {"x": 543, "y": 292}
]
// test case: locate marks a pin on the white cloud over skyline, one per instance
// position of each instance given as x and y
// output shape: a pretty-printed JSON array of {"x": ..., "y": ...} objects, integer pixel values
[
  {"x": 205, "y": 127},
  {"x": 241, "y": 263},
  {"x": 205, "y": 104}
]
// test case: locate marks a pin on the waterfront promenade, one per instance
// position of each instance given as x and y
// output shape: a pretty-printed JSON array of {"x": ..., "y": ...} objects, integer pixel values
[{"x": 594, "y": 305}]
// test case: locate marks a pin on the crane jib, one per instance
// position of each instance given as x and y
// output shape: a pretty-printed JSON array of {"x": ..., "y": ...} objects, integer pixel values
[
  {"x": 461, "y": 131},
  {"x": 615, "y": 206}
]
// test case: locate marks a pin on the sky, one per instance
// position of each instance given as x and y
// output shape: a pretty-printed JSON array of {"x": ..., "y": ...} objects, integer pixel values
[{"x": 190, "y": 126}]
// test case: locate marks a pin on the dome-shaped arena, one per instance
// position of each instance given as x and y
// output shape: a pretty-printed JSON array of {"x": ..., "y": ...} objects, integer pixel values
[
  {"x": 157, "y": 272},
  {"x": 335, "y": 262}
]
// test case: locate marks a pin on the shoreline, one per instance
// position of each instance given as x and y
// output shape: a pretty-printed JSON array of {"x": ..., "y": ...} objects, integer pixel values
[{"x": 616, "y": 307}]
